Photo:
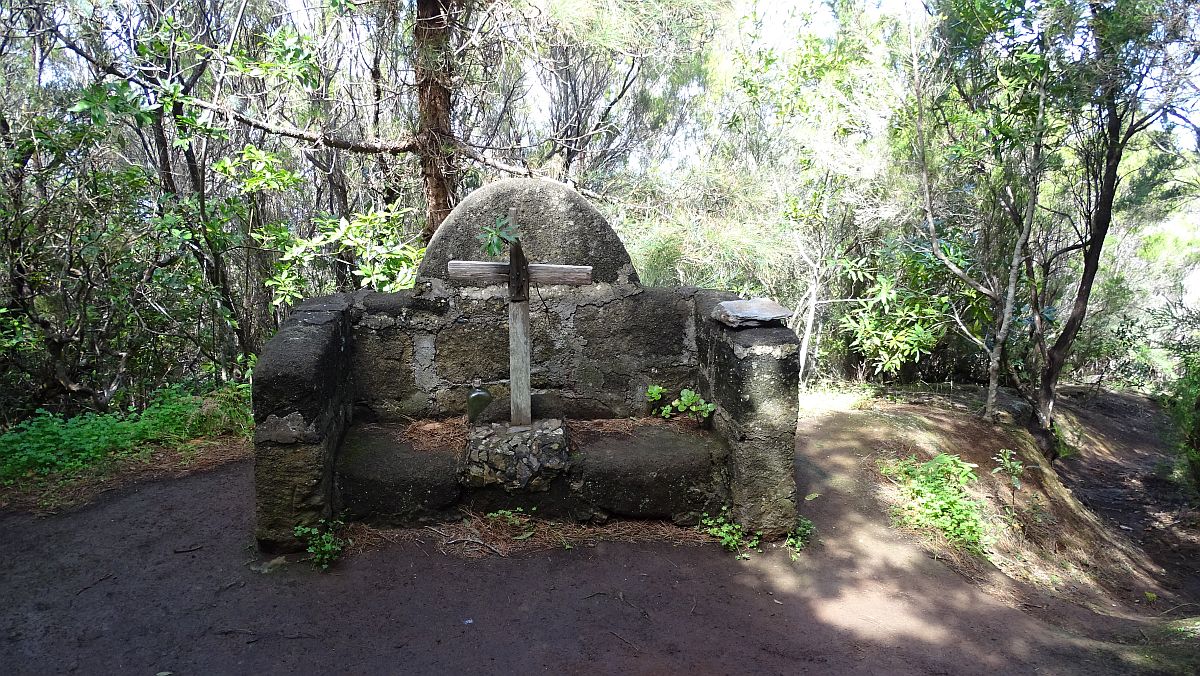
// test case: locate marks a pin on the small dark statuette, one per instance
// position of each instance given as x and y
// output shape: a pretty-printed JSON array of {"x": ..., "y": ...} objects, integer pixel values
[{"x": 477, "y": 400}]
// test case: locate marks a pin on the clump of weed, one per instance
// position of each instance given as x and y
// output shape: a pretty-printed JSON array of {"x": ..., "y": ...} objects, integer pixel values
[
  {"x": 934, "y": 497},
  {"x": 518, "y": 520},
  {"x": 799, "y": 538},
  {"x": 323, "y": 542},
  {"x": 730, "y": 534},
  {"x": 689, "y": 403}
]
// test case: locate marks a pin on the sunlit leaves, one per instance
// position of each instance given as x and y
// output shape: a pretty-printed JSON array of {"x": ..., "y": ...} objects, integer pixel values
[
  {"x": 257, "y": 170},
  {"x": 114, "y": 98},
  {"x": 289, "y": 57},
  {"x": 903, "y": 311},
  {"x": 383, "y": 256}
]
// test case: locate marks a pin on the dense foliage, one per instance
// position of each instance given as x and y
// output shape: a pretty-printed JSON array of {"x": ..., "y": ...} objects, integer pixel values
[{"x": 46, "y": 444}]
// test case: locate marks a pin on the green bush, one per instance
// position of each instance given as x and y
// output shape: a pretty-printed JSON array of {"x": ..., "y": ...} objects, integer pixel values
[
  {"x": 1184, "y": 408},
  {"x": 47, "y": 443},
  {"x": 934, "y": 497}
]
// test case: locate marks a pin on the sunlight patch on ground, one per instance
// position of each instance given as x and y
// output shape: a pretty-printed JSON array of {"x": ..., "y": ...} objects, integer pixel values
[{"x": 818, "y": 401}]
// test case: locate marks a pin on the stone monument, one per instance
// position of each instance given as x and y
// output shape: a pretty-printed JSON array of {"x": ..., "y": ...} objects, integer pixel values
[{"x": 573, "y": 336}]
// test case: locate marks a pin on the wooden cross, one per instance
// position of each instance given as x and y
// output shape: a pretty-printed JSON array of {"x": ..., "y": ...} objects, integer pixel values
[{"x": 519, "y": 273}]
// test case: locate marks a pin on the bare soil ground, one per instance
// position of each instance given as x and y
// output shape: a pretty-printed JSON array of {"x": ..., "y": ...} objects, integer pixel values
[{"x": 162, "y": 576}]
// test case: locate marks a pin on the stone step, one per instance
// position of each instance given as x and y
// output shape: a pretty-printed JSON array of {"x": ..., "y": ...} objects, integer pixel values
[{"x": 651, "y": 469}]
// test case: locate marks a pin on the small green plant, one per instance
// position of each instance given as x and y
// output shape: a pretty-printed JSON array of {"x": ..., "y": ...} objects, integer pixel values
[
  {"x": 513, "y": 517},
  {"x": 516, "y": 518},
  {"x": 799, "y": 538},
  {"x": 688, "y": 403},
  {"x": 730, "y": 534},
  {"x": 1007, "y": 462},
  {"x": 322, "y": 542},
  {"x": 495, "y": 237},
  {"x": 934, "y": 497},
  {"x": 655, "y": 393}
]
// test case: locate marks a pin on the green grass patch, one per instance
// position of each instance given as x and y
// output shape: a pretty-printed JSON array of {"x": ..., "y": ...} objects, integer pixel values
[
  {"x": 47, "y": 443},
  {"x": 934, "y": 498}
]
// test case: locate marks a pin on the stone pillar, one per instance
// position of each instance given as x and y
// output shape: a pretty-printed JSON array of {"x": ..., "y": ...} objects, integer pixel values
[
  {"x": 302, "y": 407},
  {"x": 752, "y": 376}
]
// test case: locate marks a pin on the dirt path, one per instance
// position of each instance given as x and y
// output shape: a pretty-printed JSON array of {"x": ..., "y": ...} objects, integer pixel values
[
  {"x": 1121, "y": 473},
  {"x": 160, "y": 577}
]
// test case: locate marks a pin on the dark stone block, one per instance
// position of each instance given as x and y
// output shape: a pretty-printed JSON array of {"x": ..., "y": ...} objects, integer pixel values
[
  {"x": 628, "y": 335},
  {"x": 657, "y": 472},
  {"x": 756, "y": 375},
  {"x": 386, "y": 303},
  {"x": 557, "y": 404},
  {"x": 338, "y": 302},
  {"x": 381, "y": 477},
  {"x": 301, "y": 368},
  {"x": 383, "y": 365}
]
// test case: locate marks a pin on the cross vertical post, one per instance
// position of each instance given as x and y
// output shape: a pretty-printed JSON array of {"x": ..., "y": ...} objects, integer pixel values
[
  {"x": 520, "y": 406},
  {"x": 518, "y": 273}
]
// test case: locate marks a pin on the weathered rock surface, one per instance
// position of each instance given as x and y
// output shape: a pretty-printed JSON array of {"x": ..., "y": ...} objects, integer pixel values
[
  {"x": 381, "y": 476},
  {"x": 526, "y": 458},
  {"x": 753, "y": 376},
  {"x": 751, "y": 313},
  {"x": 555, "y": 223},
  {"x": 301, "y": 408},
  {"x": 658, "y": 472}
]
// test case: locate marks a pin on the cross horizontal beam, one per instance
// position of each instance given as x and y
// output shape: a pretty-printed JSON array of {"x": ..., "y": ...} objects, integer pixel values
[{"x": 487, "y": 272}]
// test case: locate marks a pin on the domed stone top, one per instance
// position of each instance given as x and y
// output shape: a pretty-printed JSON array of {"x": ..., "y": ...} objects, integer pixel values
[{"x": 556, "y": 225}]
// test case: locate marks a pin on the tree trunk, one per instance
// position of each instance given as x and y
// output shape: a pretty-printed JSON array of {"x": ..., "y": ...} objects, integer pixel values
[
  {"x": 809, "y": 319},
  {"x": 1024, "y": 220},
  {"x": 1098, "y": 224},
  {"x": 433, "y": 65}
]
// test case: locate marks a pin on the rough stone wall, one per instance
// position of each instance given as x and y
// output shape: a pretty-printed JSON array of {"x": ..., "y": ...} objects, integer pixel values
[
  {"x": 752, "y": 375},
  {"x": 595, "y": 349},
  {"x": 301, "y": 410}
]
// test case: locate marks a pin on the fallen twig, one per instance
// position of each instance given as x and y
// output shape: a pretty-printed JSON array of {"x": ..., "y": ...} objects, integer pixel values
[
  {"x": 476, "y": 541},
  {"x": 94, "y": 584},
  {"x": 1182, "y": 605},
  {"x": 188, "y": 549},
  {"x": 631, "y": 645}
]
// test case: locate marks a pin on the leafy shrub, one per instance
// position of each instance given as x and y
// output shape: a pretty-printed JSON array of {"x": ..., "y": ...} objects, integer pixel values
[
  {"x": 47, "y": 443},
  {"x": 1184, "y": 407},
  {"x": 934, "y": 497}
]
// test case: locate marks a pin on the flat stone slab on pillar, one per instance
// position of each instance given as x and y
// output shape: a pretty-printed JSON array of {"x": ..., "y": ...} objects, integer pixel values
[{"x": 750, "y": 313}]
